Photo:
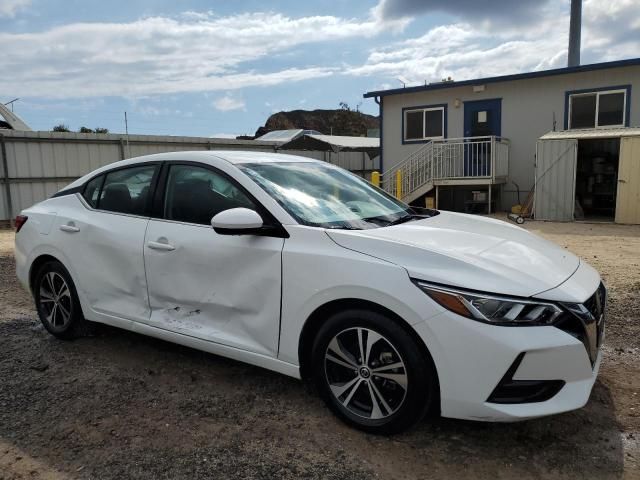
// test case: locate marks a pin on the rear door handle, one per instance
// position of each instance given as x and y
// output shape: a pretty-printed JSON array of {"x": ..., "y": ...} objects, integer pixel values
[
  {"x": 164, "y": 246},
  {"x": 69, "y": 227}
]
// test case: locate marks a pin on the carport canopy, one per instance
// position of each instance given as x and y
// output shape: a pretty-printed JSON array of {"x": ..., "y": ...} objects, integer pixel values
[{"x": 335, "y": 143}]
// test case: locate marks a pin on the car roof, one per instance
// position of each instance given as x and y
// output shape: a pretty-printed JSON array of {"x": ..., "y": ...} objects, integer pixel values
[
  {"x": 231, "y": 156},
  {"x": 235, "y": 157}
]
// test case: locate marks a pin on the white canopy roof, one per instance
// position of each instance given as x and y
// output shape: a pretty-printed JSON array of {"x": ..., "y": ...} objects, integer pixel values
[
  {"x": 12, "y": 119},
  {"x": 593, "y": 133},
  {"x": 340, "y": 141}
]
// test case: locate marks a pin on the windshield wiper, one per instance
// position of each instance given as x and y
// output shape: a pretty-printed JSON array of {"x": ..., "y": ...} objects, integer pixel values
[
  {"x": 406, "y": 218},
  {"x": 342, "y": 227}
]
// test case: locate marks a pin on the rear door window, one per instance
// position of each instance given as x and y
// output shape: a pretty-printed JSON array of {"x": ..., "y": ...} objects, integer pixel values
[{"x": 127, "y": 190}]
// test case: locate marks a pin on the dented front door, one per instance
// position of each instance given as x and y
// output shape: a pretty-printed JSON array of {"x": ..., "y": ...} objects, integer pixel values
[{"x": 221, "y": 288}]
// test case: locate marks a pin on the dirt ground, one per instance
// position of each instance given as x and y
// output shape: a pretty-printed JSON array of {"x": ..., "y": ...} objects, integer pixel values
[{"x": 120, "y": 405}]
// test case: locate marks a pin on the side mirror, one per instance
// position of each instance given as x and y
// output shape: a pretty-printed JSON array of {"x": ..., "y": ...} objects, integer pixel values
[{"x": 237, "y": 221}]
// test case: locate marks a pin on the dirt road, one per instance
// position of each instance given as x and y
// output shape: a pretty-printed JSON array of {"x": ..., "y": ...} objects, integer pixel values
[{"x": 120, "y": 405}]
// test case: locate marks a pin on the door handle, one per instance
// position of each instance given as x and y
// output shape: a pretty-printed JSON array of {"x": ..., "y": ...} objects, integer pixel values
[
  {"x": 166, "y": 247},
  {"x": 69, "y": 227}
]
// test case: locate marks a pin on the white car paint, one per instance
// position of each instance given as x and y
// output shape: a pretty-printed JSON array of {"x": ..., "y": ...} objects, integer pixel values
[{"x": 248, "y": 297}]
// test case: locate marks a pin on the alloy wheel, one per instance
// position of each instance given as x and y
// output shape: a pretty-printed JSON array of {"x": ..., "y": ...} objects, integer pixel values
[
  {"x": 365, "y": 373},
  {"x": 55, "y": 300}
]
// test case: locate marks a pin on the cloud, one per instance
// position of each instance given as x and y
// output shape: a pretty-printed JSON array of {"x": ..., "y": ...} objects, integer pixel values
[
  {"x": 219, "y": 55},
  {"x": 228, "y": 103},
  {"x": 470, "y": 9},
  {"x": 9, "y": 8},
  {"x": 469, "y": 49},
  {"x": 157, "y": 55}
]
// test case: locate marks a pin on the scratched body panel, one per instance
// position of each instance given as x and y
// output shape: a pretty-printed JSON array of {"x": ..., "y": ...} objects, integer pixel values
[
  {"x": 111, "y": 275},
  {"x": 221, "y": 288}
]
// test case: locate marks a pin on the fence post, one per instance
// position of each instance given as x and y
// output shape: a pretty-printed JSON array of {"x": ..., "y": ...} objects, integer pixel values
[
  {"x": 6, "y": 181},
  {"x": 399, "y": 185},
  {"x": 122, "y": 155},
  {"x": 375, "y": 178}
]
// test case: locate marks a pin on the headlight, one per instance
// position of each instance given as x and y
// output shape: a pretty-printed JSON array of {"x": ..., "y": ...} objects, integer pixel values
[{"x": 492, "y": 309}]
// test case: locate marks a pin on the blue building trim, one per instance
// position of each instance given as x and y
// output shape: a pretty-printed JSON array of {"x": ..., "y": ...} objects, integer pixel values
[
  {"x": 627, "y": 111},
  {"x": 507, "y": 78},
  {"x": 444, "y": 106}
]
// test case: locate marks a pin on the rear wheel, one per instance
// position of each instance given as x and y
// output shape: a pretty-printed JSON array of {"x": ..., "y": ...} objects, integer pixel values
[
  {"x": 372, "y": 373},
  {"x": 57, "y": 302}
]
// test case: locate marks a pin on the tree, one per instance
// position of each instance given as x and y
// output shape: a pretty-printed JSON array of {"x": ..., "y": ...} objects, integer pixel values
[
  {"x": 61, "y": 128},
  {"x": 101, "y": 130},
  {"x": 85, "y": 130}
]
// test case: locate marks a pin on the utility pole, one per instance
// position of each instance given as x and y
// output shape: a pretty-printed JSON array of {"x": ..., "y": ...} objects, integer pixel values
[
  {"x": 126, "y": 131},
  {"x": 575, "y": 23}
]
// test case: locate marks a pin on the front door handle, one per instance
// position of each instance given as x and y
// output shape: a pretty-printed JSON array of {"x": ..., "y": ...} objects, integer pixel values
[
  {"x": 164, "y": 246},
  {"x": 70, "y": 228}
]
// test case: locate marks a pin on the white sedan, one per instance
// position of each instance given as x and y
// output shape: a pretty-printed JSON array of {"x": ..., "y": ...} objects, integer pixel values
[{"x": 301, "y": 267}]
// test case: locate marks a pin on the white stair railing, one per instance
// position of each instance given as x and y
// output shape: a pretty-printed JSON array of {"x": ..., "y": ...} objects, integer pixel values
[
  {"x": 452, "y": 158},
  {"x": 413, "y": 172}
]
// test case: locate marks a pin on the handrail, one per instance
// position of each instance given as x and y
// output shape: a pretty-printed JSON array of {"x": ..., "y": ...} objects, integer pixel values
[{"x": 449, "y": 158}]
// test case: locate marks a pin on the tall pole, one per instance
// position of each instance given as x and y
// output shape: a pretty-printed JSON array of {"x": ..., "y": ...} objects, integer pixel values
[
  {"x": 573, "y": 58},
  {"x": 126, "y": 131}
]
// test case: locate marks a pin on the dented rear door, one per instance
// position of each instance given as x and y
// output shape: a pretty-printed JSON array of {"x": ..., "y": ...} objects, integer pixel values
[{"x": 220, "y": 288}]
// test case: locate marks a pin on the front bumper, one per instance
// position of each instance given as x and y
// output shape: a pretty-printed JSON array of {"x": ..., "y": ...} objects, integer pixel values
[{"x": 474, "y": 360}]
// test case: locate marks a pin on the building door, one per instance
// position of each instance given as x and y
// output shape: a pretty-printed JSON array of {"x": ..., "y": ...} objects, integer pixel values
[
  {"x": 555, "y": 180},
  {"x": 482, "y": 118},
  {"x": 628, "y": 199}
]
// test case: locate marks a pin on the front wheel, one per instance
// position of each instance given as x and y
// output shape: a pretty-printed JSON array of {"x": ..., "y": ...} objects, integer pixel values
[{"x": 372, "y": 373}]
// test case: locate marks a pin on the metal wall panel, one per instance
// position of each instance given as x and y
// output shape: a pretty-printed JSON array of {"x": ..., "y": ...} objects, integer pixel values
[
  {"x": 41, "y": 163},
  {"x": 555, "y": 180},
  {"x": 358, "y": 162},
  {"x": 628, "y": 198},
  {"x": 3, "y": 203}
]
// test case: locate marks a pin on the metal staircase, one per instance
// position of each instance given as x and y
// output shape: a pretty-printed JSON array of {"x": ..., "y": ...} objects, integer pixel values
[{"x": 450, "y": 161}]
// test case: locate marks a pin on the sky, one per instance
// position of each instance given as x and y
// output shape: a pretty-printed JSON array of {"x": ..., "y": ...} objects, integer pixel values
[{"x": 220, "y": 68}]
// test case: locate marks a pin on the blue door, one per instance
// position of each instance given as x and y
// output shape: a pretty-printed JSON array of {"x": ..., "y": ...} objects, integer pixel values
[{"x": 482, "y": 118}]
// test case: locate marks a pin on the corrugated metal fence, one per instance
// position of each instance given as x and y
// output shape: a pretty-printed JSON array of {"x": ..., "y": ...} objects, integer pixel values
[{"x": 35, "y": 165}]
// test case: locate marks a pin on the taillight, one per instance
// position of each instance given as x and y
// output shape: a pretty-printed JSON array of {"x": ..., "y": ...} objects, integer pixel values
[{"x": 20, "y": 221}]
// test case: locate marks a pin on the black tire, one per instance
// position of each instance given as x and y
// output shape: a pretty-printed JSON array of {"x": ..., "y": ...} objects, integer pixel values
[
  {"x": 398, "y": 408},
  {"x": 64, "y": 300}
]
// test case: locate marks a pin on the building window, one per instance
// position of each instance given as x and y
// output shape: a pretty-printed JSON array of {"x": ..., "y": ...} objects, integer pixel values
[
  {"x": 597, "y": 109},
  {"x": 424, "y": 123}
]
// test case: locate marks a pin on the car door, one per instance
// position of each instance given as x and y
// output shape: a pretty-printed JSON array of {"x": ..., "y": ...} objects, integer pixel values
[
  {"x": 220, "y": 288},
  {"x": 103, "y": 234}
]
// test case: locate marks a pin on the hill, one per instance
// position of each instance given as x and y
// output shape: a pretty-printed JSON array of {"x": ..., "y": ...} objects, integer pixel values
[{"x": 343, "y": 121}]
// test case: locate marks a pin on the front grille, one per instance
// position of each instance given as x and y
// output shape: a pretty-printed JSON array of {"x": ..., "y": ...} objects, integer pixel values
[{"x": 591, "y": 318}]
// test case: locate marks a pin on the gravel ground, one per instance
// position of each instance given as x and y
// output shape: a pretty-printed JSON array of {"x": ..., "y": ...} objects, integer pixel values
[{"x": 119, "y": 405}]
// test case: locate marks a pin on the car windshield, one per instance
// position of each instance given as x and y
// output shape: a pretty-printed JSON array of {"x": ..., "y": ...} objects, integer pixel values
[{"x": 323, "y": 195}]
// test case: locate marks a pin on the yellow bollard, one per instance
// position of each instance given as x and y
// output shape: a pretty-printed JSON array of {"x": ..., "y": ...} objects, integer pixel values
[
  {"x": 399, "y": 185},
  {"x": 375, "y": 178}
]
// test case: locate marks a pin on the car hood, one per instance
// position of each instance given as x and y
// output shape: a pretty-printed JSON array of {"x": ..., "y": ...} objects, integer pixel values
[{"x": 467, "y": 251}]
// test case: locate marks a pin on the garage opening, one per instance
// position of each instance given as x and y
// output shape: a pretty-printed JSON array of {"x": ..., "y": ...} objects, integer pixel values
[{"x": 597, "y": 179}]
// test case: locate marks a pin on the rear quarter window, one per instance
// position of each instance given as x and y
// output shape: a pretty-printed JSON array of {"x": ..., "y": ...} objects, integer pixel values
[{"x": 92, "y": 191}]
